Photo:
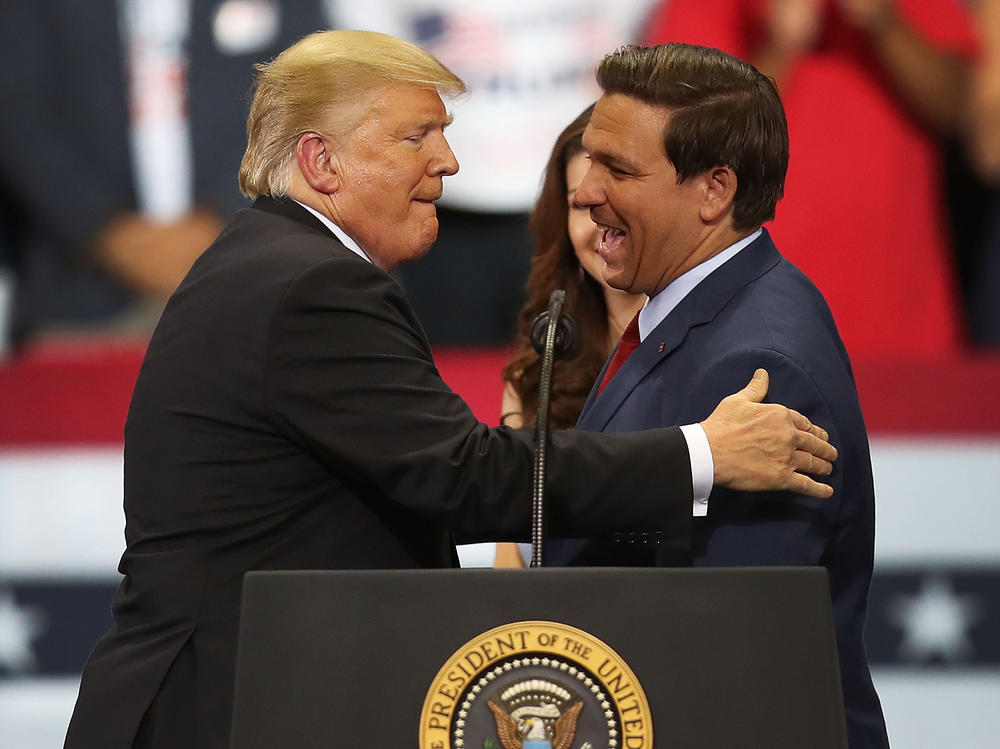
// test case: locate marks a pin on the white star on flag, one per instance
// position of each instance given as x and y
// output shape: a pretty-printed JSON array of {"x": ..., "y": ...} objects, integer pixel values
[
  {"x": 18, "y": 627},
  {"x": 935, "y": 621}
]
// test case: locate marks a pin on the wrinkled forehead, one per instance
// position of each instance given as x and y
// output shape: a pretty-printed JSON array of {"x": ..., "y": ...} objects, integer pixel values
[
  {"x": 409, "y": 103},
  {"x": 387, "y": 108},
  {"x": 620, "y": 113},
  {"x": 624, "y": 127}
]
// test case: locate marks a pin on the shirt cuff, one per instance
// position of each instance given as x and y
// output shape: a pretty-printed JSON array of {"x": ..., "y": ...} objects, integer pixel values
[{"x": 702, "y": 467}]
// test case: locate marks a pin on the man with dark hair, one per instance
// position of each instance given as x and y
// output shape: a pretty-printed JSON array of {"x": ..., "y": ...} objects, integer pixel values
[{"x": 688, "y": 150}]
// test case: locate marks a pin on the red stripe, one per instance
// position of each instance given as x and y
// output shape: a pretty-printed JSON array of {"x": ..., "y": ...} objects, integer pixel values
[{"x": 78, "y": 394}]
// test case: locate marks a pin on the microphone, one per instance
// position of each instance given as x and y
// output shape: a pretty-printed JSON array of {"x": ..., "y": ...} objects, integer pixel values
[
  {"x": 553, "y": 336},
  {"x": 564, "y": 345}
]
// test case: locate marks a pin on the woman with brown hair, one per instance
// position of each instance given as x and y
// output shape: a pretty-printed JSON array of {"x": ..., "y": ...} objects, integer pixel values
[
  {"x": 566, "y": 243},
  {"x": 565, "y": 257}
]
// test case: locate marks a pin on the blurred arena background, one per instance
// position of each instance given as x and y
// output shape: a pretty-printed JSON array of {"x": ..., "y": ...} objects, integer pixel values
[{"x": 72, "y": 333}]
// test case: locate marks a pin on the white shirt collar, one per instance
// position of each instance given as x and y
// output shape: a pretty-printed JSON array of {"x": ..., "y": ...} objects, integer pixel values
[
  {"x": 658, "y": 307},
  {"x": 337, "y": 232}
]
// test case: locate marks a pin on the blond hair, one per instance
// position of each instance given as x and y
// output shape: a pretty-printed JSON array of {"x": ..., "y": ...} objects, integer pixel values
[{"x": 320, "y": 83}]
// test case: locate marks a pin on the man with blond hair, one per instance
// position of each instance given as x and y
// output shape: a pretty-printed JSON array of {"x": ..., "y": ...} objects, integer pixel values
[{"x": 288, "y": 414}]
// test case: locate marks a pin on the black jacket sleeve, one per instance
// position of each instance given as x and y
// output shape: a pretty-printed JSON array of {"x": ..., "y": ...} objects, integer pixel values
[{"x": 351, "y": 378}]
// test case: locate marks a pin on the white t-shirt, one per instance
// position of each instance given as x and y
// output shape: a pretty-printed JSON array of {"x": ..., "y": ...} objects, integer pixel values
[{"x": 529, "y": 66}]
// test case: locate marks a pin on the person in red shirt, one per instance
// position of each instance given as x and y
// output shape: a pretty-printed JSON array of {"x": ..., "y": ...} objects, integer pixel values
[{"x": 867, "y": 85}]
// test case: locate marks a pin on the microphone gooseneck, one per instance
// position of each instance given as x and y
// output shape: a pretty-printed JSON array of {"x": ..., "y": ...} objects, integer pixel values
[{"x": 552, "y": 336}]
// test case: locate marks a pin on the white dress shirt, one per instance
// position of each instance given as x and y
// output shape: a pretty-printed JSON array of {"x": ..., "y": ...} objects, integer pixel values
[{"x": 337, "y": 232}]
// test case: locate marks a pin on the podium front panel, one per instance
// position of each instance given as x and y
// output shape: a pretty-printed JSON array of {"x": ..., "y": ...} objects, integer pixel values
[{"x": 726, "y": 657}]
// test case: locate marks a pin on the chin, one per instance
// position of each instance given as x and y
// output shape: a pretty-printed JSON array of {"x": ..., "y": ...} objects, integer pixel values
[
  {"x": 415, "y": 251},
  {"x": 428, "y": 234},
  {"x": 608, "y": 275},
  {"x": 617, "y": 282},
  {"x": 420, "y": 251}
]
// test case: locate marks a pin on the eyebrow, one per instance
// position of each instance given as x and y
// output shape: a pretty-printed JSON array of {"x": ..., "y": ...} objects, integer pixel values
[
  {"x": 432, "y": 123},
  {"x": 422, "y": 128},
  {"x": 613, "y": 160}
]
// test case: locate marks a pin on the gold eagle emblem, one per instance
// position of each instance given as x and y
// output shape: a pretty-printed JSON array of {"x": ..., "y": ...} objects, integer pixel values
[{"x": 538, "y": 726}]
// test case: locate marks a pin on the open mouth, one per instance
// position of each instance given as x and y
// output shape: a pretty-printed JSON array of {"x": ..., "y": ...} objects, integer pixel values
[{"x": 611, "y": 238}]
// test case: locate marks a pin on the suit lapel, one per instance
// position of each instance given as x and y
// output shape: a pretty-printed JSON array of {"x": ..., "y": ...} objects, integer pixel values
[
  {"x": 699, "y": 307},
  {"x": 659, "y": 344},
  {"x": 290, "y": 209}
]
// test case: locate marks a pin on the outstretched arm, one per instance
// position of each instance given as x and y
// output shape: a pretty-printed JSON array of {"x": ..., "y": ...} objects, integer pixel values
[
  {"x": 760, "y": 446},
  {"x": 985, "y": 95},
  {"x": 931, "y": 80}
]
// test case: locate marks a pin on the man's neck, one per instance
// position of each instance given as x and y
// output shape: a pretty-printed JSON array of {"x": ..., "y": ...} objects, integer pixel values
[
  {"x": 622, "y": 307},
  {"x": 661, "y": 304},
  {"x": 338, "y": 231},
  {"x": 717, "y": 240}
]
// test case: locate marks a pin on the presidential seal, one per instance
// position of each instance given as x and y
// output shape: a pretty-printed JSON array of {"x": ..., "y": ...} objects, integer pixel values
[{"x": 535, "y": 685}]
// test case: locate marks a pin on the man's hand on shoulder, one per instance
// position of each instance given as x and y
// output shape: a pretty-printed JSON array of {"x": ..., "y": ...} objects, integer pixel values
[{"x": 760, "y": 446}]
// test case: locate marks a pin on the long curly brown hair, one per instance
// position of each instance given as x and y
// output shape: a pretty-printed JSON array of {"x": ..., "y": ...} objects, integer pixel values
[{"x": 554, "y": 266}]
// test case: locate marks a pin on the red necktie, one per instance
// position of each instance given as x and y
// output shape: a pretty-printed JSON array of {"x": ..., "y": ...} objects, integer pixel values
[{"x": 628, "y": 344}]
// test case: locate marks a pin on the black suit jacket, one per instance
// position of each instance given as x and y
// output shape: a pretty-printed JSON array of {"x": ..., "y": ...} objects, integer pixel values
[{"x": 288, "y": 414}]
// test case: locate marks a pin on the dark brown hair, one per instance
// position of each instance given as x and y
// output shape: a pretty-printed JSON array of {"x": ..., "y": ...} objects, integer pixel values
[
  {"x": 554, "y": 266},
  {"x": 724, "y": 113}
]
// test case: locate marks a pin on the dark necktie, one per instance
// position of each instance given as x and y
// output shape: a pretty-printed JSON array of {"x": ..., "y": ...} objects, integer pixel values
[{"x": 628, "y": 344}]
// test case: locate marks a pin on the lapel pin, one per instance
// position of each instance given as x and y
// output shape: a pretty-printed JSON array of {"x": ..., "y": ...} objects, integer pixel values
[{"x": 660, "y": 349}]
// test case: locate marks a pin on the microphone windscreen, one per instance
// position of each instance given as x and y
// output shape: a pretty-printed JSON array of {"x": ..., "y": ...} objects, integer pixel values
[{"x": 566, "y": 336}]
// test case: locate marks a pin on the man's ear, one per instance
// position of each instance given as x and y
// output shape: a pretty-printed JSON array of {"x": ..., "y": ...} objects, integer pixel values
[
  {"x": 316, "y": 163},
  {"x": 719, "y": 193}
]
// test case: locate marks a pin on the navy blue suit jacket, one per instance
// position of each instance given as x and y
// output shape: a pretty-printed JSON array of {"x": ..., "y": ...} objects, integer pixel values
[{"x": 758, "y": 310}]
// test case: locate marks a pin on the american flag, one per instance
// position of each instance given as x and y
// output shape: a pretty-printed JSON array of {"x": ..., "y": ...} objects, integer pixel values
[
  {"x": 934, "y": 621},
  {"x": 469, "y": 43}
]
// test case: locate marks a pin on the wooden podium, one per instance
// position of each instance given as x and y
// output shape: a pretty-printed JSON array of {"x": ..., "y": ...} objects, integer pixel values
[{"x": 388, "y": 659}]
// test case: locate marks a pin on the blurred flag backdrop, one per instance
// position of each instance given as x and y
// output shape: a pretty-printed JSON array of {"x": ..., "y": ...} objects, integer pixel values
[{"x": 934, "y": 626}]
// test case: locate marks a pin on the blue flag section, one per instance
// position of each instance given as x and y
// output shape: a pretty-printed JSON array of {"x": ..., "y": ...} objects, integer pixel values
[
  {"x": 48, "y": 628},
  {"x": 942, "y": 619},
  {"x": 945, "y": 618}
]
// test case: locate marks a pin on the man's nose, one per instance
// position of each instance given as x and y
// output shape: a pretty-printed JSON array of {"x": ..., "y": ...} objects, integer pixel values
[
  {"x": 588, "y": 192},
  {"x": 445, "y": 164}
]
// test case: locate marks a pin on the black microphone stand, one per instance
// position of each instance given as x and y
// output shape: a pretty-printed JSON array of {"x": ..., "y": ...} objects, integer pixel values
[{"x": 553, "y": 337}]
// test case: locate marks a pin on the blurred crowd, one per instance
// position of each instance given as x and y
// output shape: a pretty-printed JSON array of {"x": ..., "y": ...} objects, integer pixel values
[{"x": 124, "y": 127}]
